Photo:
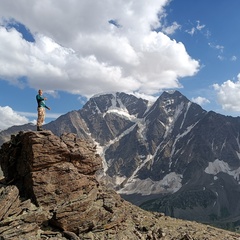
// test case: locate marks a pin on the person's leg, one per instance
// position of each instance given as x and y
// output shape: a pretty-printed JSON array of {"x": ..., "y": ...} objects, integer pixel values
[
  {"x": 40, "y": 120},
  {"x": 43, "y": 116}
]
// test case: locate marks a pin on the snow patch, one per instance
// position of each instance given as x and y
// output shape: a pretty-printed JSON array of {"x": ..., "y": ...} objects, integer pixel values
[
  {"x": 103, "y": 94},
  {"x": 147, "y": 159},
  {"x": 169, "y": 184},
  {"x": 170, "y": 91},
  {"x": 172, "y": 119},
  {"x": 238, "y": 154},
  {"x": 96, "y": 108},
  {"x": 101, "y": 152},
  {"x": 142, "y": 130},
  {"x": 185, "y": 114},
  {"x": 121, "y": 112},
  {"x": 189, "y": 129},
  {"x": 119, "y": 180},
  {"x": 220, "y": 166}
]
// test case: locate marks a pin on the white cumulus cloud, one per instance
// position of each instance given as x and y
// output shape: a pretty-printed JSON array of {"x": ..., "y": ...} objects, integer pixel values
[
  {"x": 200, "y": 100},
  {"x": 228, "y": 94},
  {"x": 88, "y": 47},
  {"x": 9, "y": 118}
]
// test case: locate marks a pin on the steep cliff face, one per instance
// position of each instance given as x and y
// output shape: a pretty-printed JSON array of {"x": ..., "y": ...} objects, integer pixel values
[{"x": 50, "y": 191}]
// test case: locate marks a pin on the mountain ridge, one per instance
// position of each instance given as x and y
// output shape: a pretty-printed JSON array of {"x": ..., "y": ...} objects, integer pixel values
[{"x": 163, "y": 150}]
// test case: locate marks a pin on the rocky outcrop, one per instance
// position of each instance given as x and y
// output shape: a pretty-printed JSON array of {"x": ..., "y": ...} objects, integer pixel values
[{"x": 50, "y": 191}]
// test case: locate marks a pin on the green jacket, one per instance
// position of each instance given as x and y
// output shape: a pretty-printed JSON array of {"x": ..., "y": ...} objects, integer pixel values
[{"x": 41, "y": 102}]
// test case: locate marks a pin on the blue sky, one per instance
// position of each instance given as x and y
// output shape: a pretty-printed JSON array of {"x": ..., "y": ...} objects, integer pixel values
[{"x": 76, "y": 49}]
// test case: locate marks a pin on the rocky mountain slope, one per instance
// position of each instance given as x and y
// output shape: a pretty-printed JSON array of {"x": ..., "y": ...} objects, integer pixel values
[
  {"x": 50, "y": 191},
  {"x": 169, "y": 156}
]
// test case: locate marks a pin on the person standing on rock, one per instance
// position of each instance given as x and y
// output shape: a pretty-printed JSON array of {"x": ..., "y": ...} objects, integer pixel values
[{"x": 41, "y": 109}]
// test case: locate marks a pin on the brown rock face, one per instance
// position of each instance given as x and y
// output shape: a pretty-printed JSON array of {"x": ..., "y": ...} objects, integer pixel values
[
  {"x": 50, "y": 170},
  {"x": 50, "y": 191}
]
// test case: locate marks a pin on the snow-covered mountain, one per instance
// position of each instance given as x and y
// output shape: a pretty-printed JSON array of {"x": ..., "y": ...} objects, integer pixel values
[{"x": 170, "y": 155}]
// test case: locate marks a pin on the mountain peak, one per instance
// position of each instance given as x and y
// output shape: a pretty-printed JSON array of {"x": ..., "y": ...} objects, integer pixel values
[
  {"x": 116, "y": 102},
  {"x": 173, "y": 94}
]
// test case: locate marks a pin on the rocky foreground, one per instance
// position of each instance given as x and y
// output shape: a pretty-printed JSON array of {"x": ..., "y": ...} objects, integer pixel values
[{"x": 50, "y": 191}]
